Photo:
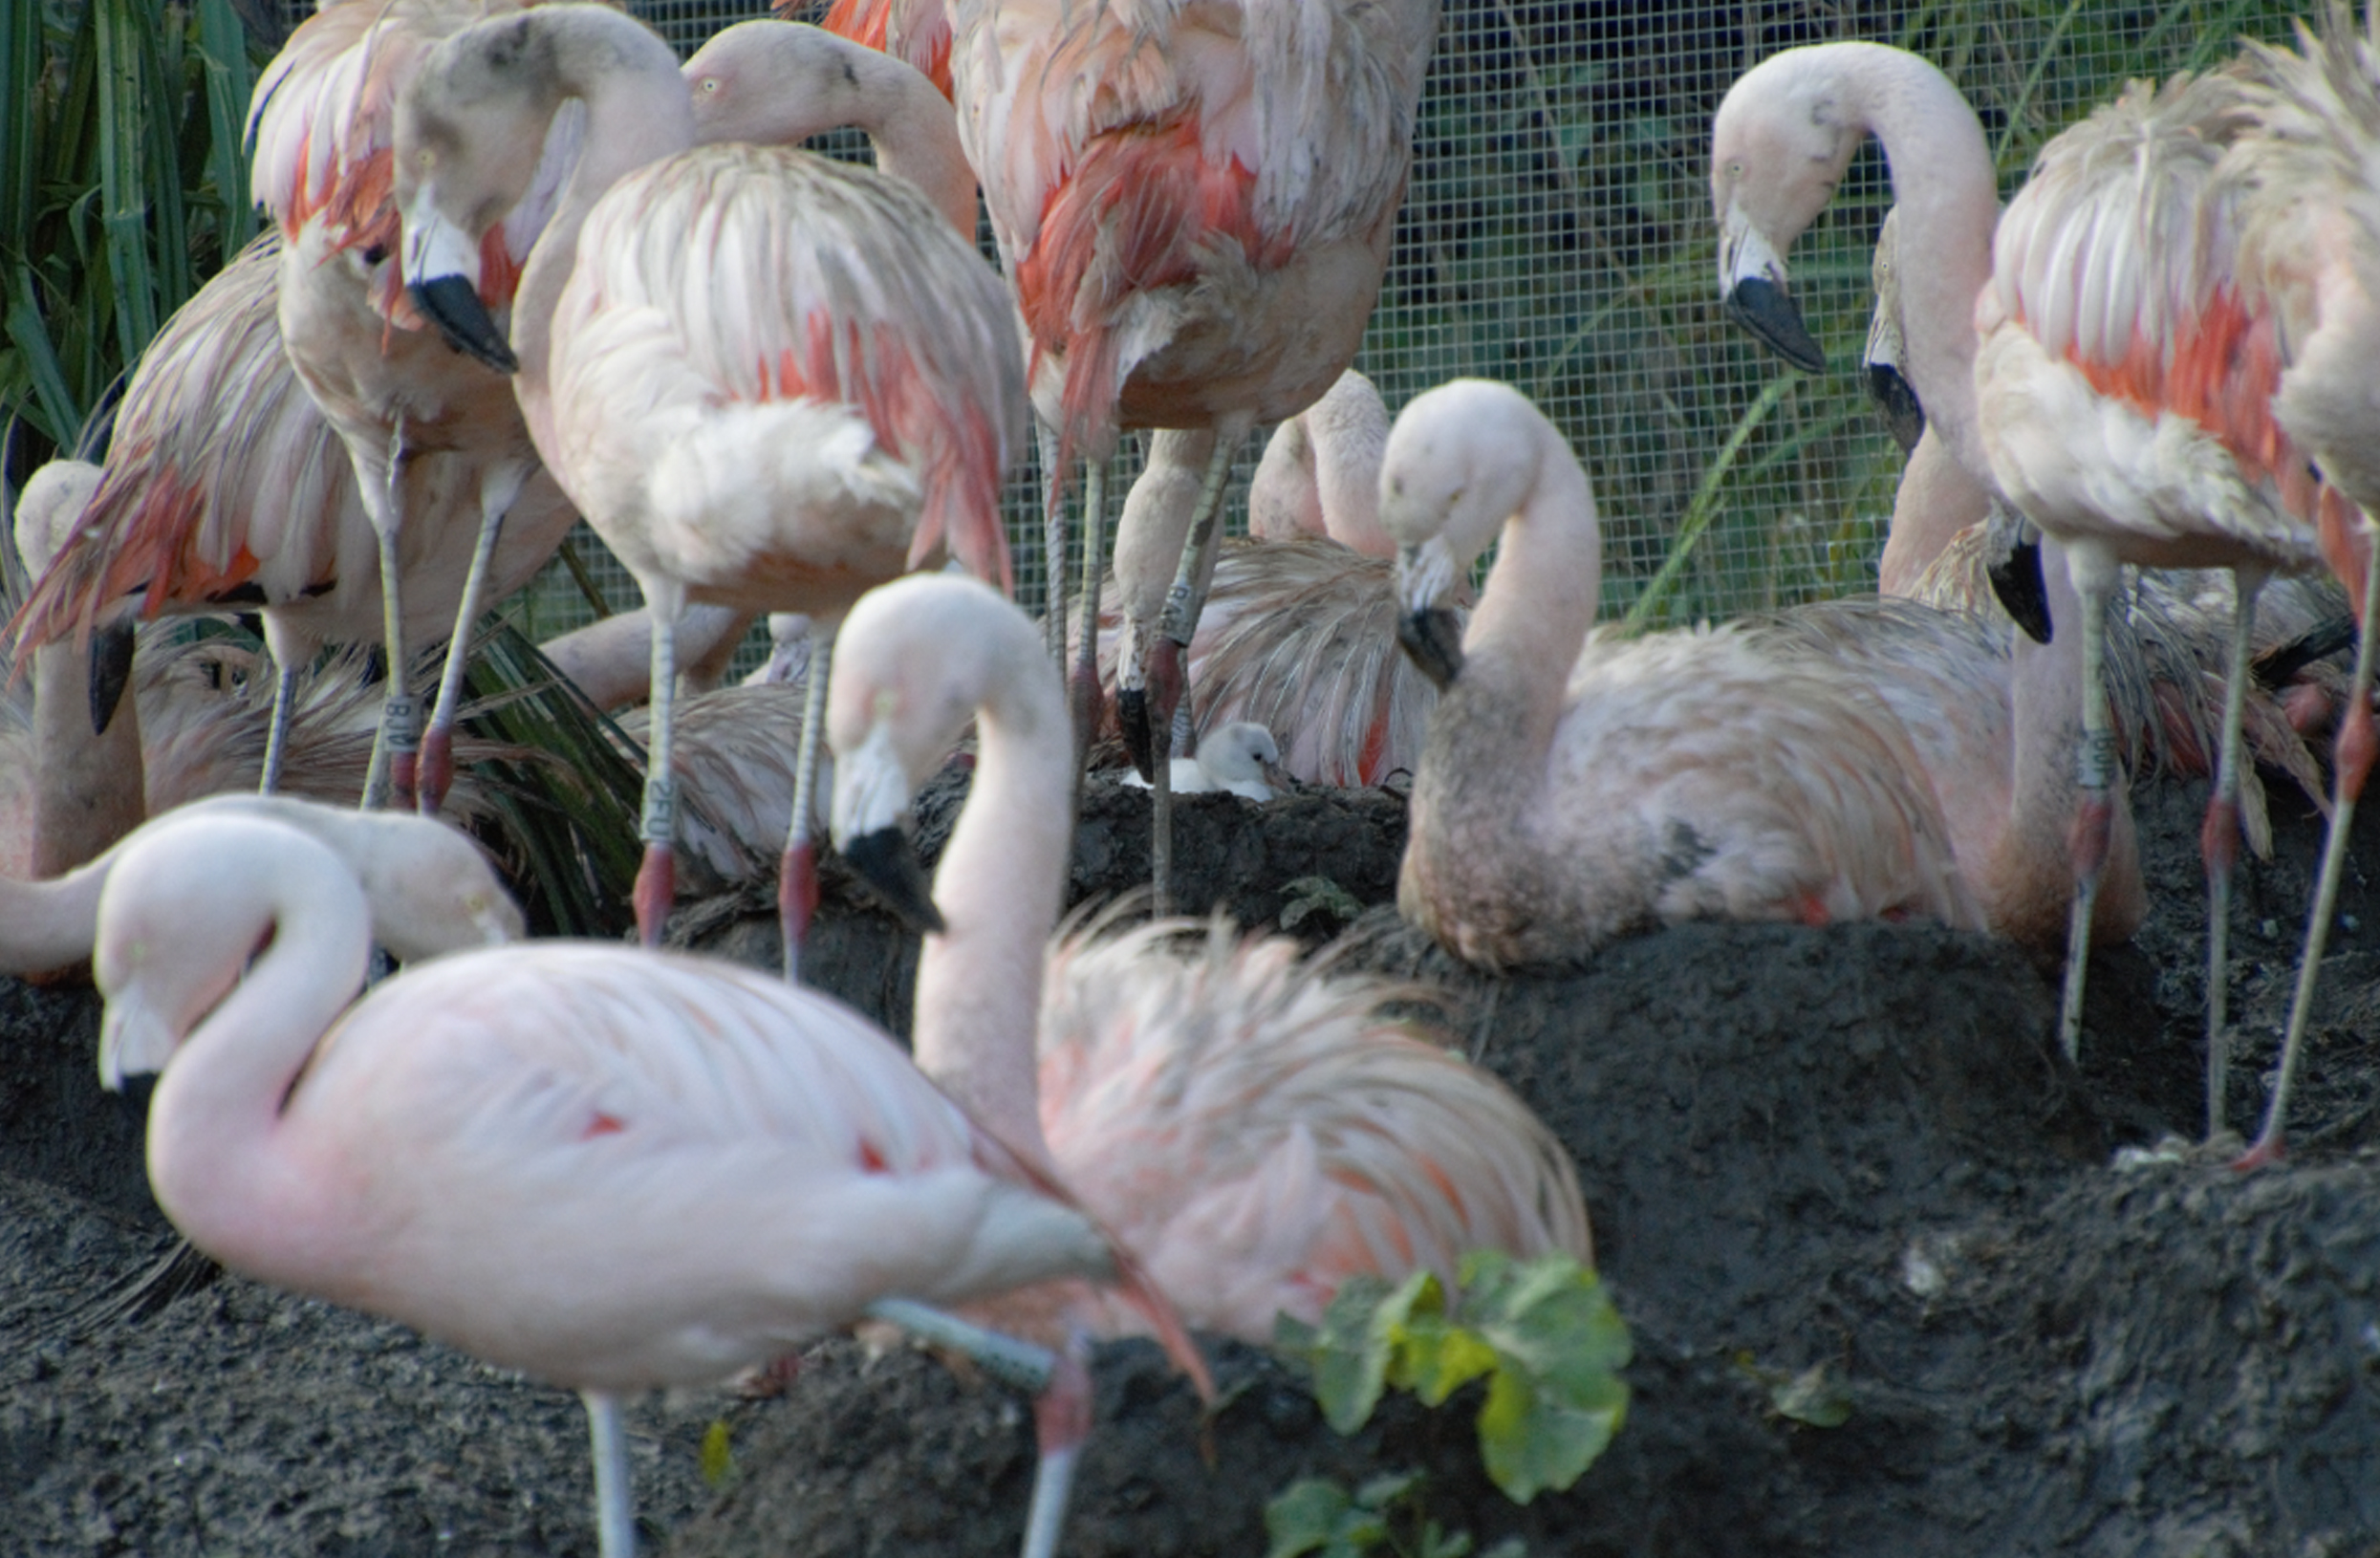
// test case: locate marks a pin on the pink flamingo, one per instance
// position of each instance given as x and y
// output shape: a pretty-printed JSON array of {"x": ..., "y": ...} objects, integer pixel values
[
  {"x": 2164, "y": 379},
  {"x": 1195, "y": 205},
  {"x": 226, "y": 486},
  {"x": 813, "y": 397},
  {"x": 429, "y": 888},
  {"x": 1254, "y": 1125},
  {"x": 1780, "y": 142},
  {"x": 608, "y": 1168},
  {"x": 1320, "y": 475},
  {"x": 1845, "y": 761},
  {"x": 321, "y": 124}
]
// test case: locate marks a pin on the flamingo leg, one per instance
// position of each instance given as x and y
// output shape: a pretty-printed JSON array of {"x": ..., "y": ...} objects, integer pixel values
[
  {"x": 1053, "y": 540},
  {"x": 1176, "y": 625},
  {"x": 2352, "y": 759},
  {"x": 2094, "y": 773},
  {"x": 497, "y": 490},
  {"x": 277, "y": 733},
  {"x": 797, "y": 875},
  {"x": 657, "y": 877},
  {"x": 1061, "y": 1423},
  {"x": 390, "y": 778},
  {"x": 1084, "y": 693},
  {"x": 1015, "y": 1363},
  {"x": 2219, "y": 845},
  {"x": 616, "y": 1493}
]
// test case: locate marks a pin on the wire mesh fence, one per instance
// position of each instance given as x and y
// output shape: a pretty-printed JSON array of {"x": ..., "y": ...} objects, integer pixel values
[{"x": 1556, "y": 234}]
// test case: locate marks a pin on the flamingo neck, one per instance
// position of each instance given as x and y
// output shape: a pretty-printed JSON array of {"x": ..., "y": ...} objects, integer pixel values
[
  {"x": 636, "y": 114},
  {"x": 1541, "y": 598},
  {"x": 1949, "y": 198},
  {"x": 1000, "y": 885},
  {"x": 1936, "y": 499},
  {"x": 914, "y": 134},
  {"x": 47, "y": 924},
  {"x": 222, "y": 1167}
]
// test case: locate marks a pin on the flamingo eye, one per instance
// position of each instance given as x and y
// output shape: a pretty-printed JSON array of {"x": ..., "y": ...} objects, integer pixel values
[{"x": 710, "y": 84}]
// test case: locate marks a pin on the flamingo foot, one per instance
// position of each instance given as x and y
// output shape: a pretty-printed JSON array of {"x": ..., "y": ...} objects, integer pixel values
[
  {"x": 435, "y": 773},
  {"x": 1061, "y": 1423},
  {"x": 2219, "y": 837},
  {"x": 657, "y": 889},
  {"x": 2267, "y": 1150},
  {"x": 797, "y": 901}
]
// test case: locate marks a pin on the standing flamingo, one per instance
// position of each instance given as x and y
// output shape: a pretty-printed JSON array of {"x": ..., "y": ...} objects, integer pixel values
[
  {"x": 429, "y": 888},
  {"x": 1254, "y": 1125},
  {"x": 770, "y": 381},
  {"x": 225, "y": 487},
  {"x": 1195, "y": 205},
  {"x": 608, "y": 1168},
  {"x": 1841, "y": 760},
  {"x": 321, "y": 125},
  {"x": 1779, "y": 143}
]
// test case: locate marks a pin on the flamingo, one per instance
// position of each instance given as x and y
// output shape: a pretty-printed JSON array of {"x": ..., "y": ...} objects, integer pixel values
[
  {"x": 814, "y": 397},
  {"x": 1299, "y": 634},
  {"x": 2123, "y": 247},
  {"x": 430, "y": 890},
  {"x": 320, "y": 123},
  {"x": 1780, "y": 140},
  {"x": 1195, "y": 205},
  {"x": 1255, "y": 1126},
  {"x": 1848, "y": 760},
  {"x": 608, "y": 1168},
  {"x": 225, "y": 487},
  {"x": 1241, "y": 759}
]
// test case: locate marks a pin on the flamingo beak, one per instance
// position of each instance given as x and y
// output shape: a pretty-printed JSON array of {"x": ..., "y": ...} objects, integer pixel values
[
  {"x": 442, "y": 271},
  {"x": 1146, "y": 713},
  {"x": 1904, "y": 415},
  {"x": 2018, "y": 583},
  {"x": 1751, "y": 278},
  {"x": 1433, "y": 641},
  {"x": 887, "y": 861}
]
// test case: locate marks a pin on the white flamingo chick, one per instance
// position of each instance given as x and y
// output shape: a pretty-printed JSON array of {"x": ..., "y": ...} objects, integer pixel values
[
  {"x": 1241, "y": 759},
  {"x": 609, "y": 1168}
]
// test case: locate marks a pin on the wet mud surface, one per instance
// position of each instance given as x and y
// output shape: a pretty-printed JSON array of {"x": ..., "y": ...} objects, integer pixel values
[{"x": 1847, "y": 1154}]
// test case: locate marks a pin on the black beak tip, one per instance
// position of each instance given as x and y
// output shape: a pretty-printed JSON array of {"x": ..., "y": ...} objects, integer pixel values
[
  {"x": 1895, "y": 397},
  {"x": 111, "y": 672},
  {"x": 888, "y": 863},
  {"x": 1433, "y": 641},
  {"x": 450, "y": 303},
  {"x": 1132, "y": 716},
  {"x": 1765, "y": 310},
  {"x": 2016, "y": 581}
]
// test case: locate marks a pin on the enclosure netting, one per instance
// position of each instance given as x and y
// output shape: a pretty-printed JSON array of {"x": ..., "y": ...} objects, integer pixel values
[{"x": 1557, "y": 235}]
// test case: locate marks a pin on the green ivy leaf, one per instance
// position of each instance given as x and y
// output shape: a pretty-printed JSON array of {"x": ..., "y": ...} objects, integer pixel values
[
  {"x": 1812, "y": 1396},
  {"x": 1303, "y": 1517},
  {"x": 1358, "y": 1336},
  {"x": 1534, "y": 1436}
]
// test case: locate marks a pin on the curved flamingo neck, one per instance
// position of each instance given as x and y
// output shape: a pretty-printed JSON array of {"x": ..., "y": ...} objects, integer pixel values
[
  {"x": 636, "y": 114},
  {"x": 1541, "y": 598},
  {"x": 222, "y": 1167},
  {"x": 47, "y": 924},
  {"x": 915, "y": 133},
  {"x": 1000, "y": 885},
  {"x": 1949, "y": 196}
]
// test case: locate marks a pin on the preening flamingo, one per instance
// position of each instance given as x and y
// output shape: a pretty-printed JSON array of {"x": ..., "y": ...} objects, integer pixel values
[
  {"x": 1299, "y": 634},
  {"x": 608, "y": 1168},
  {"x": 2127, "y": 377},
  {"x": 1842, "y": 761},
  {"x": 1253, "y": 1124},
  {"x": 770, "y": 381},
  {"x": 429, "y": 888},
  {"x": 321, "y": 125},
  {"x": 227, "y": 489}
]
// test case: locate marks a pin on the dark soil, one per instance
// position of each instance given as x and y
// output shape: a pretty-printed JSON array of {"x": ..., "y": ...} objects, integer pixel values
[{"x": 1851, "y": 1149}]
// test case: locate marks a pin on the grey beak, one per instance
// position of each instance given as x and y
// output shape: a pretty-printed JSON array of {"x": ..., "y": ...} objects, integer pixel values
[
  {"x": 888, "y": 863},
  {"x": 1433, "y": 641},
  {"x": 453, "y": 306},
  {"x": 1765, "y": 310}
]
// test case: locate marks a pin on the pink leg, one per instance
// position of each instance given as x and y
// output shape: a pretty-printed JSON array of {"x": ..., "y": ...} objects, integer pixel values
[
  {"x": 1061, "y": 1423},
  {"x": 657, "y": 889},
  {"x": 2094, "y": 763},
  {"x": 797, "y": 876},
  {"x": 2219, "y": 846},
  {"x": 656, "y": 879}
]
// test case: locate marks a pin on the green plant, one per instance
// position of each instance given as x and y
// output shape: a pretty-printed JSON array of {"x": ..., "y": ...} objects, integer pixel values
[
  {"x": 1541, "y": 1333},
  {"x": 1307, "y": 896},
  {"x": 1316, "y": 1515},
  {"x": 124, "y": 186}
]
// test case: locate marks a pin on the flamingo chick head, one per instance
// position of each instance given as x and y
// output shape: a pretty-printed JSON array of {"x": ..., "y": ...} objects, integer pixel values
[
  {"x": 185, "y": 908},
  {"x": 1780, "y": 144},
  {"x": 913, "y": 662},
  {"x": 1460, "y": 461}
]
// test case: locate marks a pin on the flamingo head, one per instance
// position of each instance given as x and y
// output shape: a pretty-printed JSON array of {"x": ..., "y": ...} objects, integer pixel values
[
  {"x": 1460, "y": 461},
  {"x": 912, "y": 663},
  {"x": 1780, "y": 141}
]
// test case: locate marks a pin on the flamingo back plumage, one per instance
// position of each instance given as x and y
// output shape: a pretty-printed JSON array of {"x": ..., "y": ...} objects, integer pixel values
[
  {"x": 1212, "y": 1093},
  {"x": 690, "y": 299}
]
